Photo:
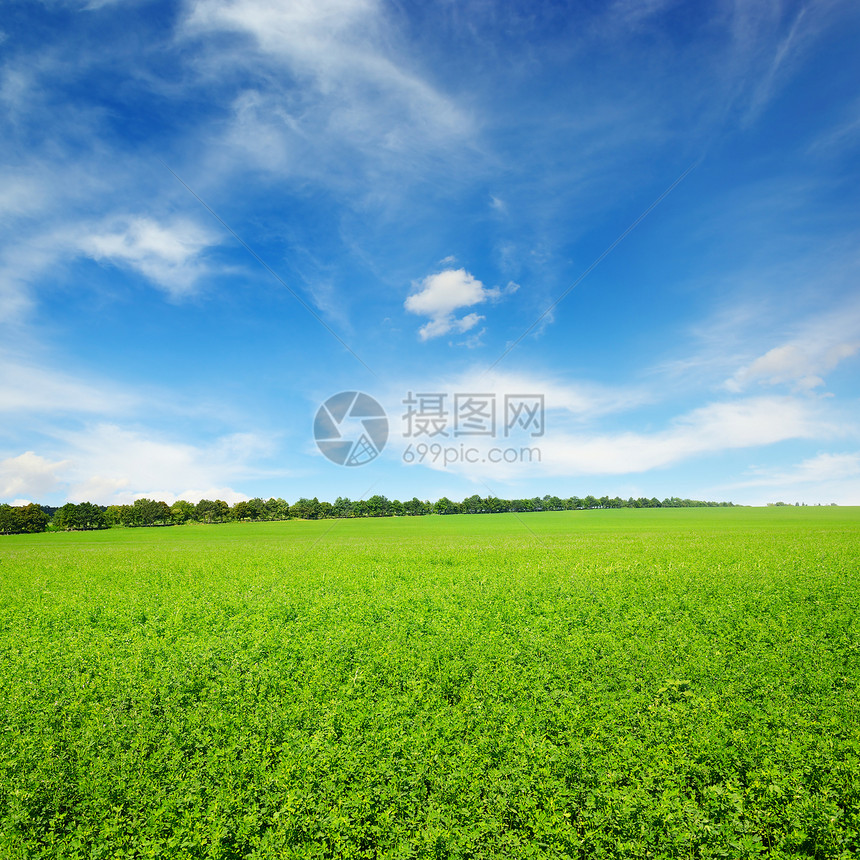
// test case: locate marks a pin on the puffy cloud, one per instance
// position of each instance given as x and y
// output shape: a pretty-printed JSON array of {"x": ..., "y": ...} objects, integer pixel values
[
  {"x": 441, "y": 294},
  {"x": 87, "y": 449},
  {"x": 110, "y": 463},
  {"x": 29, "y": 475},
  {"x": 107, "y": 463}
]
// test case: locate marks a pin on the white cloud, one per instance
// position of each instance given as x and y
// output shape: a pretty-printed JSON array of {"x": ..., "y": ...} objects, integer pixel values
[
  {"x": 21, "y": 193},
  {"x": 22, "y": 263},
  {"x": 793, "y": 363},
  {"x": 842, "y": 136},
  {"x": 567, "y": 402},
  {"x": 84, "y": 447},
  {"x": 825, "y": 478},
  {"x": 711, "y": 429},
  {"x": 26, "y": 388},
  {"x": 167, "y": 254},
  {"x": 822, "y": 467},
  {"x": 442, "y": 325},
  {"x": 820, "y": 345},
  {"x": 354, "y": 87},
  {"x": 339, "y": 45},
  {"x": 441, "y": 294},
  {"x": 568, "y": 405},
  {"x": 106, "y": 463},
  {"x": 304, "y": 30},
  {"x": 29, "y": 475},
  {"x": 122, "y": 464}
]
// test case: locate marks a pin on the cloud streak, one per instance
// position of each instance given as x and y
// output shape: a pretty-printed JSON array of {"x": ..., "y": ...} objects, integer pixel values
[
  {"x": 710, "y": 429},
  {"x": 819, "y": 347},
  {"x": 349, "y": 88},
  {"x": 170, "y": 255}
]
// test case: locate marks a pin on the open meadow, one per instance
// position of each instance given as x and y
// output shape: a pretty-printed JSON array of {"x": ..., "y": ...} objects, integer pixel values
[{"x": 626, "y": 683}]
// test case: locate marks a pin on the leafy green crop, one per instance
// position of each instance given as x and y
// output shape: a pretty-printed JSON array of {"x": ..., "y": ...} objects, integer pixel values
[{"x": 631, "y": 683}]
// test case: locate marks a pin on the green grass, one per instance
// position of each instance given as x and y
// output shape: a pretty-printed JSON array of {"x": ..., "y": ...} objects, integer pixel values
[{"x": 629, "y": 683}]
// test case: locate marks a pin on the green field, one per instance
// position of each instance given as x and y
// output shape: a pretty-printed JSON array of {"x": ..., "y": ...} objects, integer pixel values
[{"x": 626, "y": 683}]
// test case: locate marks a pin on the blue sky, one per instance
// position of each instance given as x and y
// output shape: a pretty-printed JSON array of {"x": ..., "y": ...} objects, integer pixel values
[{"x": 217, "y": 214}]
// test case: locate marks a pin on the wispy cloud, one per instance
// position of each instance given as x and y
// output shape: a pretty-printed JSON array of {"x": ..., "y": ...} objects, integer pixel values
[
  {"x": 353, "y": 142},
  {"x": 842, "y": 136},
  {"x": 27, "y": 389},
  {"x": 794, "y": 364},
  {"x": 717, "y": 427},
  {"x": 817, "y": 469},
  {"x": 356, "y": 90},
  {"x": 819, "y": 347},
  {"x": 824, "y": 478},
  {"x": 170, "y": 255}
]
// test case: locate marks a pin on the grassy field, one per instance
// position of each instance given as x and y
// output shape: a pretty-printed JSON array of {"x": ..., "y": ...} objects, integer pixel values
[{"x": 626, "y": 683}]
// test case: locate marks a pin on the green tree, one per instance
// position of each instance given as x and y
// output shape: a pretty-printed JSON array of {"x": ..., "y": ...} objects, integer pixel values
[
  {"x": 113, "y": 515},
  {"x": 67, "y": 518},
  {"x": 150, "y": 512},
  {"x": 277, "y": 509},
  {"x": 181, "y": 512},
  {"x": 33, "y": 518},
  {"x": 378, "y": 506},
  {"x": 445, "y": 506},
  {"x": 305, "y": 509},
  {"x": 91, "y": 516},
  {"x": 257, "y": 508},
  {"x": 414, "y": 507},
  {"x": 10, "y": 520},
  {"x": 242, "y": 511},
  {"x": 205, "y": 511}
]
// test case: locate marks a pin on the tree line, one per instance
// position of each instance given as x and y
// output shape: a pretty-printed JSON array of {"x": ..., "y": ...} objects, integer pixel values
[{"x": 150, "y": 512}]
